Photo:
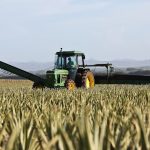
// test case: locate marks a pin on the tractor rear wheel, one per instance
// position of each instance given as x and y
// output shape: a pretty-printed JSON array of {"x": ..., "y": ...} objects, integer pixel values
[
  {"x": 70, "y": 85},
  {"x": 88, "y": 80}
]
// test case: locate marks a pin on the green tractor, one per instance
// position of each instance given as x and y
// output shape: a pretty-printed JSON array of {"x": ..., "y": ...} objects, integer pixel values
[{"x": 69, "y": 72}]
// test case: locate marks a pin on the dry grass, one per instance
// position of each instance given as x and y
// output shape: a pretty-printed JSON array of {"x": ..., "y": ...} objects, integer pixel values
[
  {"x": 15, "y": 83},
  {"x": 107, "y": 117}
]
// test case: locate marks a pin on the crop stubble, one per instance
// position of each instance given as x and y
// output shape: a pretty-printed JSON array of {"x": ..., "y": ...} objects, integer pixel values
[{"x": 106, "y": 117}]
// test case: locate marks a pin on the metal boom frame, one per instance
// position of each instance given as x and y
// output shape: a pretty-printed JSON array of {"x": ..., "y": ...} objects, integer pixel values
[{"x": 21, "y": 72}]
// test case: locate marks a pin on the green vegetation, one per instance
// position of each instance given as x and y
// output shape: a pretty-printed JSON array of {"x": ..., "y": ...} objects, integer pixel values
[{"x": 107, "y": 117}]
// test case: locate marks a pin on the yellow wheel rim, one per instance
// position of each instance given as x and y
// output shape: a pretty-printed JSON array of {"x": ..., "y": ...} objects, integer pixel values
[
  {"x": 87, "y": 83},
  {"x": 71, "y": 86}
]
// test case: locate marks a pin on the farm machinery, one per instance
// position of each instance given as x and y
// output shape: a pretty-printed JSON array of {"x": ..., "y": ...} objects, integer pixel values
[{"x": 69, "y": 71}]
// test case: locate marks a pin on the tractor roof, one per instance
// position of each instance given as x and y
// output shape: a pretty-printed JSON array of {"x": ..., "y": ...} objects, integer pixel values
[{"x": 70, "y": 53}]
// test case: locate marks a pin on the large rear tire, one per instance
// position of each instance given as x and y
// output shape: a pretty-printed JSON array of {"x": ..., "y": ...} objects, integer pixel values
[
  {"x": 70, "y": 85},
  {"x": 88, "y": 80}
]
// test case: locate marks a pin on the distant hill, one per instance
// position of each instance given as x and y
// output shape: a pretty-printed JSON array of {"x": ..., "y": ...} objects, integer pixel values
[
  {"x": 125, "y": 63},
  {"x": 33, "y": 66},
  {"x": 121, "y": 66},
  {"x": 131, "y": 63}
]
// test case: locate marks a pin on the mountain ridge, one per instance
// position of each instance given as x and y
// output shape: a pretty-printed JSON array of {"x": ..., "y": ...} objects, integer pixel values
[
  {"x": 125, "y": 63},
  {"x": 127, "y": 66}
]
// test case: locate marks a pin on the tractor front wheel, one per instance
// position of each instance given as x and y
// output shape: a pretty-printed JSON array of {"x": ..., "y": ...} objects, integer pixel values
[
  {"x": 70, "y": 85},
  {"x": 37, "y": 85},
  {"x": 88, "y": 80}
]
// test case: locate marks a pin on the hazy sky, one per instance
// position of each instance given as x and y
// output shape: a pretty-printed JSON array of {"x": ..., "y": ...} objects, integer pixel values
[{"x": 33, "y": 30}]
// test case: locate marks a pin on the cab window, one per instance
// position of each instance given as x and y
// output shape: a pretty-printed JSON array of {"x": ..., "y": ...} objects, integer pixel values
[
  {"x": 80, "y": 62},
  {"x": 59, "y": 62},
  {"x": 71, "y": 62}
]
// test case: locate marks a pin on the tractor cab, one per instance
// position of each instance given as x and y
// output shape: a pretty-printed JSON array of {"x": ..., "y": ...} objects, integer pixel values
[{"x": 69, "y": 60}]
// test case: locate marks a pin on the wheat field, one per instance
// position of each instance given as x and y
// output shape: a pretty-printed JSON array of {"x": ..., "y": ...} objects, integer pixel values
[{"x": 104, "y": 118}]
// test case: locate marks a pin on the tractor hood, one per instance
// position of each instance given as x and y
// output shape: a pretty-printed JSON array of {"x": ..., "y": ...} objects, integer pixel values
[
  {"x": 57, "y": 77},
  {"x": 57, "y": 71}
]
